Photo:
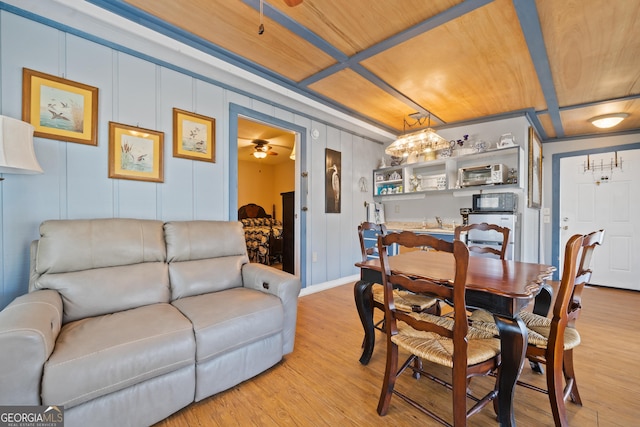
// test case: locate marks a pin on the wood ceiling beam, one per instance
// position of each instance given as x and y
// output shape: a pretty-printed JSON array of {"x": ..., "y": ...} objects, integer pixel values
[{"x": 530, "y": 24}]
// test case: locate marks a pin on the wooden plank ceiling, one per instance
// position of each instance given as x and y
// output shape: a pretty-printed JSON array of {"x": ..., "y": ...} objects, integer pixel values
[{"x": 561, "y": 62}]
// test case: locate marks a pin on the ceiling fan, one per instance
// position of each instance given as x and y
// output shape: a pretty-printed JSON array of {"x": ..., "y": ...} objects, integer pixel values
[
  {"x": 290, "y": 3},
  {"x": 262, "y": 149}
]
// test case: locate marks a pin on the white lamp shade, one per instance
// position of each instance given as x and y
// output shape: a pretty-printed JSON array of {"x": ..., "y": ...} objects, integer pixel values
[{"x": 16, "y": 147}]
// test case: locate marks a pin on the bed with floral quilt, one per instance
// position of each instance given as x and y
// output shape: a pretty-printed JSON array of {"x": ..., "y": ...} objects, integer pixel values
[{"x": 262, "y": 233}]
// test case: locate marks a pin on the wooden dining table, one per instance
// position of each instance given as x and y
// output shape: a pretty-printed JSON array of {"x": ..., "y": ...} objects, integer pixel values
[{"x": 499, "y": 286}]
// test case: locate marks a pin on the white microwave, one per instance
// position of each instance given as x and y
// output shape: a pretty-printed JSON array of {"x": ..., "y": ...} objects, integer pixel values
[{"x": 483, "y": 175}]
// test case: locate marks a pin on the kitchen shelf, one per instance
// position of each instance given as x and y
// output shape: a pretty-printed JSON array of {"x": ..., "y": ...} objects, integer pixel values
[{"x": 419, "y": 178}]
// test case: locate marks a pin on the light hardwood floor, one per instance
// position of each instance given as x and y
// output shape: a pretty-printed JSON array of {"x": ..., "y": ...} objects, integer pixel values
[{"x": 322, "y": 383}]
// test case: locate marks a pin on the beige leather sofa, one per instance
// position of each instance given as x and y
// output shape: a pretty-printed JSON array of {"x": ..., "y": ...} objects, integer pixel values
[{"x": 127, "y": 321}]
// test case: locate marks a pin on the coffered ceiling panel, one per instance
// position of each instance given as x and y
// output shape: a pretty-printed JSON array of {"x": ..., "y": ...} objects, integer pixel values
[
  {"x": 593, "y": 48},
  {"x": 359, "y": 94},
  {"x": 232, "y": 25},
  {"x": 352, "y": 28},
  {"x": 476, "y": 65},
  {"x": 557, "y": 61},
  {"x": 576, "y": 121},
  {"x": 547, "y": 125}
]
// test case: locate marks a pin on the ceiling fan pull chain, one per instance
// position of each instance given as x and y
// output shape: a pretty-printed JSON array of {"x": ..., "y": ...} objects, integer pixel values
[{"x": 261, "y": 27}]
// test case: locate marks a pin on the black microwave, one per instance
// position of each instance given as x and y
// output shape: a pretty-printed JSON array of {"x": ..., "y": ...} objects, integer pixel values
[{"x": 495, "y": 202}]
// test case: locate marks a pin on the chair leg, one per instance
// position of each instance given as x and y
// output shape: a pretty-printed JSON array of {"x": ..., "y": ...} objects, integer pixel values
[
  {"x": 459, "y": 394},
  {"x": 390, "y": 375},
  {"x": 556, "y": 392},
  {"x": 417, "y": 365},
  {"x": 570, "y": 377}
]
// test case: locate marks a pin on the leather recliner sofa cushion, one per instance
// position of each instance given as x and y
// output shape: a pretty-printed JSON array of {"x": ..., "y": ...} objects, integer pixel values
[
  {"x": 101, "y": 266},
  {"x": 204, "y": 256},
  {"x": 100, "y": 355},
  {"x": 234, "y": 318}
]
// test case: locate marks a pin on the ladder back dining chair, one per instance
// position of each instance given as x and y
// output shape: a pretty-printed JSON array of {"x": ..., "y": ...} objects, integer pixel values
[
  {"x": 552, "y": 340},
  {"x": 447, "y": 341},
  {"x": 406, "y": 301},
  {"x": 500, "y": 253}
]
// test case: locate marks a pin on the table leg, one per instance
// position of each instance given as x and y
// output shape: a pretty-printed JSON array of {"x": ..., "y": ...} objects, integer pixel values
[
  {"x": 364, "y": 304},
  {"x": 513, "y": 344},
  {"x": 541, "y": 307}
]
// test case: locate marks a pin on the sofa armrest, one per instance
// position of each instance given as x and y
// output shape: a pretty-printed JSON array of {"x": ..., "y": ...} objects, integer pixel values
[
  {"x": 285, "y": 286},
  {"x": 29, "y": 327}
]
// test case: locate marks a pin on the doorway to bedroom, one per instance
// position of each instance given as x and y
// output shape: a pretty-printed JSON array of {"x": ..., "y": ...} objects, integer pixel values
[
  {"x": 288, "y": 187},
  {"x": 266, "y": 175}
]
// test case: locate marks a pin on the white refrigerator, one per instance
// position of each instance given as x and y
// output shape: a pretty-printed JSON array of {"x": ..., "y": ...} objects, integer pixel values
[{"x": 492, "y": 238}]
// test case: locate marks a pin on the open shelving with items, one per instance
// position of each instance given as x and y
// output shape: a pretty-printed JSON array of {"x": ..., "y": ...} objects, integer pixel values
[
  {"x": 388, "y": 181},
  {"x": 443, "y": 174}
]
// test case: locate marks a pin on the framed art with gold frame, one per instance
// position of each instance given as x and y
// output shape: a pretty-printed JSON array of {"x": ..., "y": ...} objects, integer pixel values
[
  {"x": 59, "y": 108},
  {"x": 194, "y": 136},
  {"x": 135, "y": 153},
  {"x": 534, "y": 199}
]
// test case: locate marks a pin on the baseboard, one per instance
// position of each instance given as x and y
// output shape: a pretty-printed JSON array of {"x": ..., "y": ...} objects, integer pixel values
[{"x": 328, "y": 285}]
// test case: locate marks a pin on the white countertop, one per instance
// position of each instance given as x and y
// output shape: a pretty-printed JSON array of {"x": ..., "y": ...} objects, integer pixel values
[{"x": 417, "y": 227}]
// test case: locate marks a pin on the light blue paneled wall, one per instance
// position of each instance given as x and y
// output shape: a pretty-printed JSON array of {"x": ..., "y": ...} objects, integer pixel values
[{"x": 137, "y": 90}]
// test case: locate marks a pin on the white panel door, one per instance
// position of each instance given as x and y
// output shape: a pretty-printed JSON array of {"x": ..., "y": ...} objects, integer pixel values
[{"x": 591, "y": 200}]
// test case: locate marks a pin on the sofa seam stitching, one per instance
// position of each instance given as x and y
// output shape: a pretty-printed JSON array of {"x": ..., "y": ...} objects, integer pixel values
[{"x": 117, "y": 346}]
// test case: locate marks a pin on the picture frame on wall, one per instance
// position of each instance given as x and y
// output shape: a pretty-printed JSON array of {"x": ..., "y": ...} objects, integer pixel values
[
  {"x": 534, "y": 199},
  {"x": 60, "y": 109},
  {"x": 194, "y": 136},
  {"x": 333, "y": 163},
  {"x": 135, "y": 153}
]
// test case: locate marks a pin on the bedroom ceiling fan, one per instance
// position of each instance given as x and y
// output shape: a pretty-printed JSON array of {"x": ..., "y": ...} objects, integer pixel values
[{"x": 262, "y": 149}]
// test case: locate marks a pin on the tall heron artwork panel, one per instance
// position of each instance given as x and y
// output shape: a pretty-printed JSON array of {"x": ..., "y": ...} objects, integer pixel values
[{"x": 332, "y": 181}]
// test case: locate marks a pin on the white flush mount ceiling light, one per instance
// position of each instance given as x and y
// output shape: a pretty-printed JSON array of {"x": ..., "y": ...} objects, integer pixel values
[{"x": 608, "y": 120}]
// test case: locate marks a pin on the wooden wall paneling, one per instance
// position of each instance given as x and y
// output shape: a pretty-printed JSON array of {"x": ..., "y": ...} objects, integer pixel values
[
  {"x": 287, "y": 172},
  {"x": 176, "y": 91},
  {"x": 333, "y": 220},
  {"x": 263, "y": 107},
  {"x": 88, "y": 187},
  {"x": 366, "y": 157},
  {"x": 210, "y": 180},
  {"x": 136, "y": 106},
  {"x": 303, "y": 223},
  {"x": 318, "y": 224},
  {"x": 349, "y": 183},
  {"x": 26, "y": 199}
]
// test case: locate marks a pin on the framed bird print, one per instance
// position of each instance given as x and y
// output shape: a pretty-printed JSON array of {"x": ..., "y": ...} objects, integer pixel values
[
  {"x": 135, "y": 153},
  {"x": 534, "y": 199},
  {"x": 333, "y": 167},
  {"x": 194, "y": 136},
  {"x": 59, "y": 108}
]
